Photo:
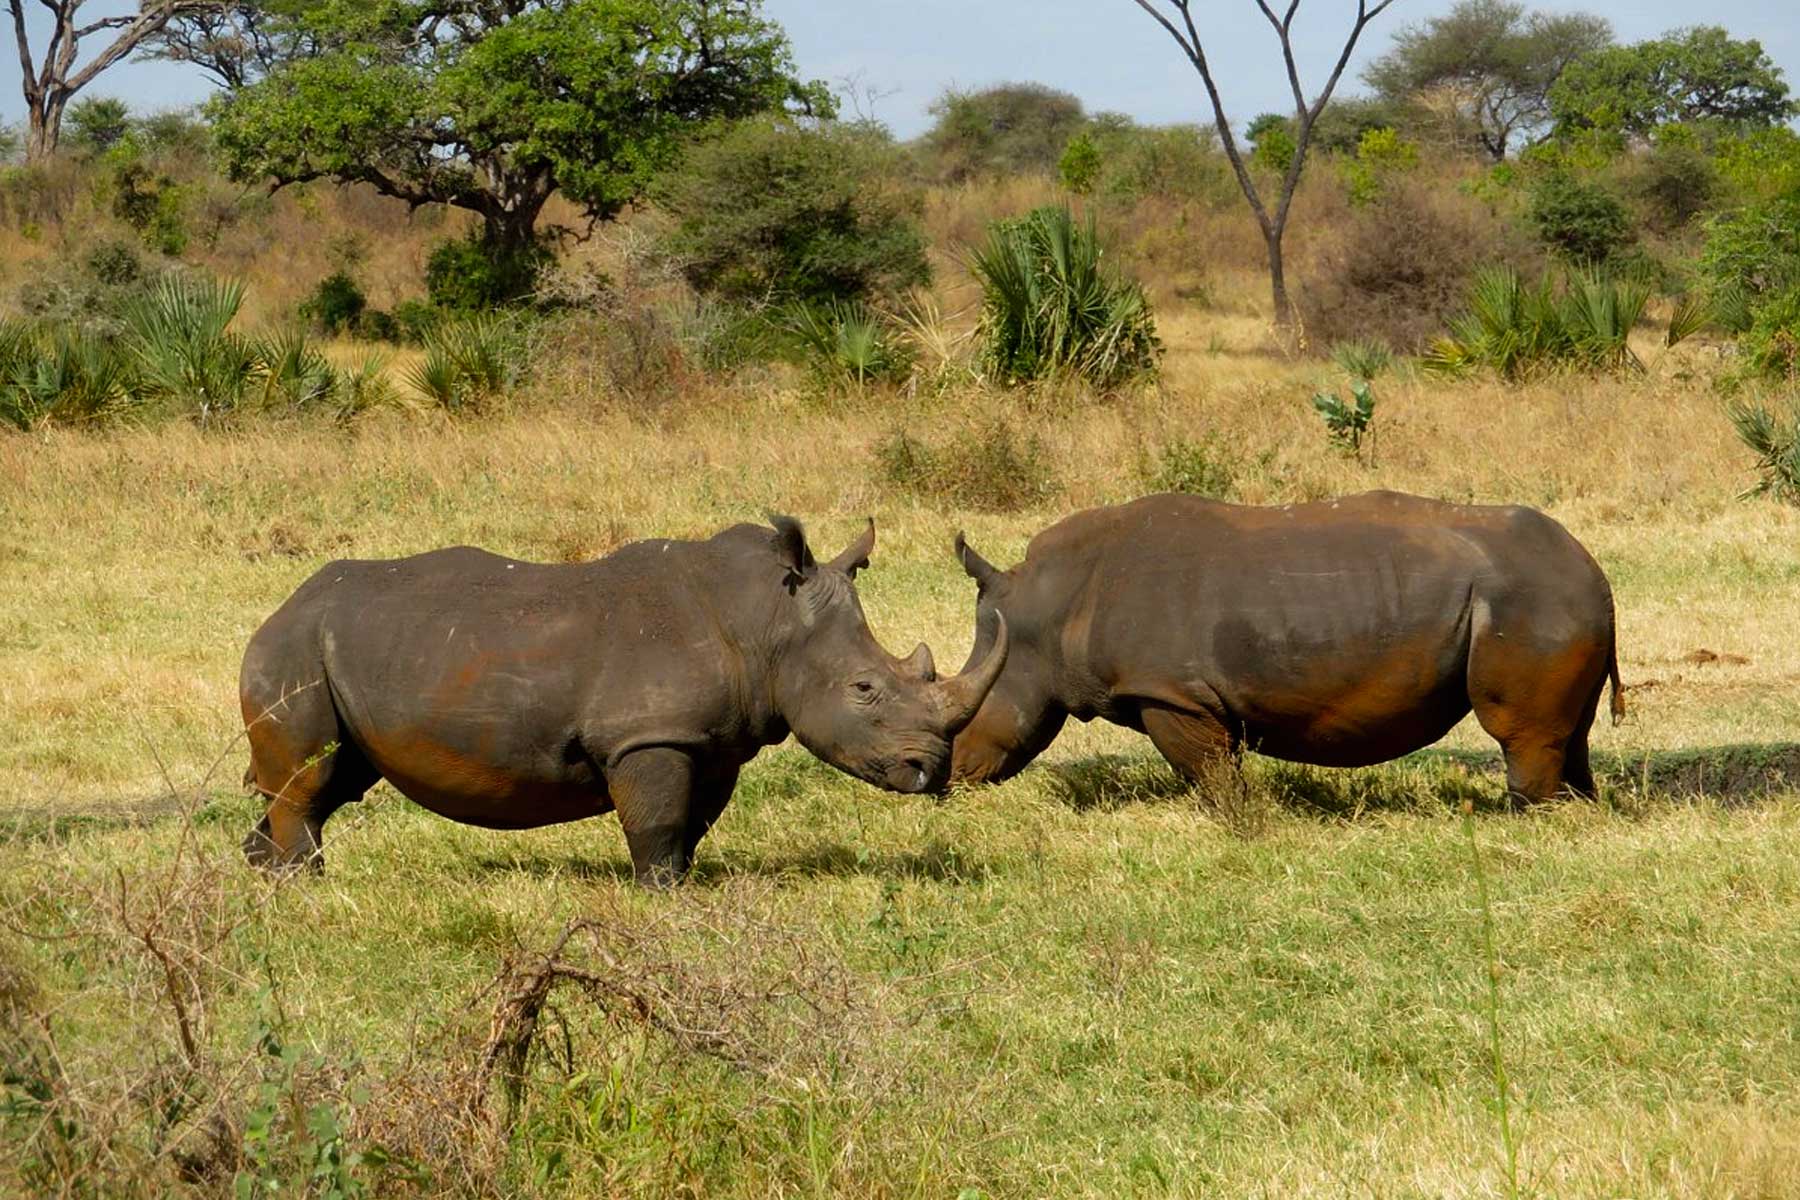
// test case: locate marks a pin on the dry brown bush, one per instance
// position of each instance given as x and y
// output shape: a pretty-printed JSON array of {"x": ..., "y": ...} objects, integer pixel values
[{"x": 1398, "y": 269}]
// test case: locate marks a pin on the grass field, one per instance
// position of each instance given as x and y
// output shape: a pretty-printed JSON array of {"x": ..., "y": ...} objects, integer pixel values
[{"x": 1086, "y": 982}]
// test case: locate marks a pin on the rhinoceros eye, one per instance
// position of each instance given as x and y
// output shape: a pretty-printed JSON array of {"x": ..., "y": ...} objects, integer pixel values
[{"x": 863, "y": 689}]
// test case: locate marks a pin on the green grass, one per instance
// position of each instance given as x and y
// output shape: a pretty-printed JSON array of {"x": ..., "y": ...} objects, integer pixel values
[{"x": 1119, "y": 999}]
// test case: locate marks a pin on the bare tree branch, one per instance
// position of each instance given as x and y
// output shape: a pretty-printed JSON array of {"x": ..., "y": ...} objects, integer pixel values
[{"x": 1187, "y": 36}]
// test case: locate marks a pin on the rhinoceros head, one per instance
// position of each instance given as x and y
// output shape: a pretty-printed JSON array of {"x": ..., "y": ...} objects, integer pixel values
[
  {"x": 1020, "y": 715},
  {"x": 886, "y": 720}
]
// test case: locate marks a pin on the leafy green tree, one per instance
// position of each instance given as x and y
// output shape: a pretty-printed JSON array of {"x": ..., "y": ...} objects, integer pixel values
[
  {"x": 1692, "y": 75},
  {"x": 494, "y": 106},
  {"x": 1493, "y": 61},
  {"x": 773, "y": 211},
  {"x": 98, "y": 123},
  {"x": 1008, "y": 128}
]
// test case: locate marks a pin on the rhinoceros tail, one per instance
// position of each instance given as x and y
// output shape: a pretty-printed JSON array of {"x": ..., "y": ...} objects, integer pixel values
[{"x": 1618, "y": 689}]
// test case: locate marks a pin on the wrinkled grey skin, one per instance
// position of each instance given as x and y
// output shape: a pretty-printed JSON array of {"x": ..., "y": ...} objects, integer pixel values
[
  {"x": 511, "y": 694},
  {"x": 1341, "y": 633}
]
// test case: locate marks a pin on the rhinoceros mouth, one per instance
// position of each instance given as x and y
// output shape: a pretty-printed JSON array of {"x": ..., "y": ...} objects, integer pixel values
[{"x": 915, "y": 774}]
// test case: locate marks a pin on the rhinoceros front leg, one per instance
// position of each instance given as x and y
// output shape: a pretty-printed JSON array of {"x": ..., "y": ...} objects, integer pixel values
[
  {"x": 711, "y": 793},
  {"x": 653, "y": 791}
]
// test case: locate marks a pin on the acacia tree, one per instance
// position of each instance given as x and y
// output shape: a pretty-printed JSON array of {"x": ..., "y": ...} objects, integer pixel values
[
  {"x": 1495, "y": 60},
  {"x": 1306, "y": 114},
  {"x": 494, "y": 105},
  {"x": 51, "y": 82}
]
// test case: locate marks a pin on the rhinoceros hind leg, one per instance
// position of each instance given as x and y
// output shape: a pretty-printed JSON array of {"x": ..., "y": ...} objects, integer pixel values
[
  {"x": 1194, "y": 742},
  {"x": 1539, "y": 708},
  {"x": 653, "y": 793},
  {"x": 301, "y": 764}
]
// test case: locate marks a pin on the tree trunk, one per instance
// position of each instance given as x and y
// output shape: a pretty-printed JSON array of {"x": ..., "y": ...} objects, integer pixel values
[
  {"x": 43, "y": 128},
  {"x": 1284, "y": 309}
]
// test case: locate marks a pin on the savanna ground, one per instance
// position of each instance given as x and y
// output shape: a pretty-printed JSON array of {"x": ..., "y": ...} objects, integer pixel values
[{"x": 1089, "y": 981}]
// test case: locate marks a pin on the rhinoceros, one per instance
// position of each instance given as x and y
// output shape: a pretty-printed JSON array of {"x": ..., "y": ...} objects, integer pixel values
[
  {"x": 512, "y": 694},
  {"x": 1338, "y": 633}
]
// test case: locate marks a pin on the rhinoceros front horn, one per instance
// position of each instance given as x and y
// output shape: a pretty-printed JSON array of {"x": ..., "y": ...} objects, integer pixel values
[{"x": 958, "y": 699}]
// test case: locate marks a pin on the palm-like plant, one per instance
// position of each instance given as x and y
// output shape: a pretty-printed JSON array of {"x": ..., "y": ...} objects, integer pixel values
[
  {"x": 1775, "y": 439},
  {"x": 847, "y": 340},
  {"x": 1519, "y": 330},
  {"x": 64, "y": 375},
  {"x": 1050, "y": 305},
  {"x": 180, "y": 336},
  {"x": 469, "y": 360}
]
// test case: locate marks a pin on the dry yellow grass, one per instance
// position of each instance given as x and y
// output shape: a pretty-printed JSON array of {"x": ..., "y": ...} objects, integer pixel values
[{"x": 141, "y": 559}]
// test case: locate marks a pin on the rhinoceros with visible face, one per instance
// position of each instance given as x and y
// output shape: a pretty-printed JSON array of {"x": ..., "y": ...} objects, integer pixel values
[
  {"x": 1340, "y": 633},
  {"x": 513, "y": 694}
]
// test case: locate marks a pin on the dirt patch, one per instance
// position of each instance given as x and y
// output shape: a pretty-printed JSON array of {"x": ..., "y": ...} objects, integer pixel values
[{"x": 1705, "y": 657}]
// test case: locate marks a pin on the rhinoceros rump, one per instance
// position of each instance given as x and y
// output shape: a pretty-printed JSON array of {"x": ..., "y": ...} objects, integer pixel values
[
  {"x": 1341, "y": 633},
  {"x": 512, "y": 694}
]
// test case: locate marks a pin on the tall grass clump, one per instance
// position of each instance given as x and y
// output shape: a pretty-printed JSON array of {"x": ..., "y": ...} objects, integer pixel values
[
  {"x": 988, "y": 468},
  {"x": 1775, "y": 439},
  {"x": 1519, "y": 329},
  {"x": 470, "y": 359},
  {"x": 1051, "y": 306},
  {"x": 1362, "y": 358}
]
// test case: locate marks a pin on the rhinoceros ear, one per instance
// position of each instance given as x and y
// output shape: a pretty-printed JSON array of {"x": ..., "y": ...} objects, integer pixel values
[
  {"x": 976, "y": 567},
  {"x": 790, "y": 546},
  {"x": 856, "y": 556}
]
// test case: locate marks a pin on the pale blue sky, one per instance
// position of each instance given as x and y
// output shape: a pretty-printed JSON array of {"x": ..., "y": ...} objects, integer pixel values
[{"x": 1105, "y": 51}]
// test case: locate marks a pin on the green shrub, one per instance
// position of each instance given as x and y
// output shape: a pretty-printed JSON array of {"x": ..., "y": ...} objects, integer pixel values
[
  {"x": 151, "y": 203},
  {"x": 472, "y": 274},
  {"x": 991, "y": 469},
  {"x": 1196, "y": 468},
  {"x": 1676, "y": 180},
  {"x": 1751, "y": 255},
  {"x": 114, "y": 263},
  {"x": 1050, "y": 306},
  {"x": 1775, "y": 438},
  {"x": 415, "y": 319},
  {"x": 1579, "y": 221},
  {"x": 95, "y": 124},
  {"x": 1080, "y": 164},
  {"x": 1179, "y": 162},
  {"x": 295, "y": 375},
  {"x": 1519, "y": 330},
  {"x": 378, "y": 326},
  {"x": 1381, "y": 155},
  {"x": 774, "y": 212},
  {"x": 470, "y": 359},
  {"x": 1272, "y": 142},
  {"x": 847, "y": 341},
  {"x": 336, "y": 305},
  {"x": 1771, "y": 346}
]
